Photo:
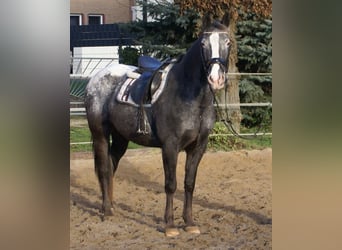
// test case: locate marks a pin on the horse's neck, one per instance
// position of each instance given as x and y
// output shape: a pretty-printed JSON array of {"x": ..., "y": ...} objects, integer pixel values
[
  {"x": 192, "y": 64},
  {"x": 191, "y": 77}
]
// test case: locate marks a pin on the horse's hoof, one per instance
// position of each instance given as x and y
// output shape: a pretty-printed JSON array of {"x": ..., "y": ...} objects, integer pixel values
[
  {"x": 108, "y": 212},
  {"x": 192, "y": 230},
  {"x": 171, "y": 232}
]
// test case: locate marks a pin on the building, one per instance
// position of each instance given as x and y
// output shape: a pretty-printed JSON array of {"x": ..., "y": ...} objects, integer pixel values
[
  {"x": 87, "y": 12},
  {"x": 95, "y": 34}
]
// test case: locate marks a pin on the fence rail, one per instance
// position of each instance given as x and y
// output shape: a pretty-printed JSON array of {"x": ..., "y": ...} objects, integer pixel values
[
  {"x": 88, "y": 66},
  {"x": 211, "y": 135},
  {"x": 82, "y": 111}
]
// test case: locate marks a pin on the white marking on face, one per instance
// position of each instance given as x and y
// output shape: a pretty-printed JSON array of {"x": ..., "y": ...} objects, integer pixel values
[
  {"x": 215, "y": 69},
  {"x": 214, "y": 74},
  {"x": 214, "y": 42}
]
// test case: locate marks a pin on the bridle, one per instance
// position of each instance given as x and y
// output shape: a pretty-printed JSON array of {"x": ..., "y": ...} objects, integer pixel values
[
  {"x": 225, "y": 118},
  {"x": 223, "y": 115},
  {"x": 223, "y": 63}
]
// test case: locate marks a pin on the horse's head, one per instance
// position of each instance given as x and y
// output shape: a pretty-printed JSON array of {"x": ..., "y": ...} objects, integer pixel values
[{"x": 215, "y": 47}]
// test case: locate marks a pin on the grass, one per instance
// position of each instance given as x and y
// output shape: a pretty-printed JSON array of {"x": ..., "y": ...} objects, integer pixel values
[
  {"x": 228, "y": 143},
  {"x": 82, "y": 134},
  {"x": 79, "y": 132}
]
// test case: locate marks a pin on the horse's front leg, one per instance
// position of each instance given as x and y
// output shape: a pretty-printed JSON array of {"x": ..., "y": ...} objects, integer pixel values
[
  {"x": 193, "y": 157},
  {"x": 170, "y": 155}
]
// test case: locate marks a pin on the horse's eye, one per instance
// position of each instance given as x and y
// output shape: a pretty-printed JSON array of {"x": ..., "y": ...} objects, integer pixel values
[{"x": 227, "y": 41}]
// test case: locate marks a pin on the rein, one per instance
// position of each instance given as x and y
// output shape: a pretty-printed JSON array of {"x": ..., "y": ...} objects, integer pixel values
[{"x": 226, "y": 118}]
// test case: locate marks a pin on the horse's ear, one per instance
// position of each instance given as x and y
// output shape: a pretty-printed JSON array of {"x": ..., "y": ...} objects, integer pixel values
[
  {"x": 225, "y": 19},
  {"x": 207, "y": 20}
]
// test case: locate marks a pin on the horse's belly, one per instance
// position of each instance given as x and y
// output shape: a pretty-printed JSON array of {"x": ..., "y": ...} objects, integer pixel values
[
  {"x": 146, "y": 140},
  {"x": 125, "y": 121}
]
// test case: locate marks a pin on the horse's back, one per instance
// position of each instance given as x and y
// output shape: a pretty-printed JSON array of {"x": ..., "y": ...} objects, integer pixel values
[
  {"x": 102, "y": 84},
  {"x": 105, "y": 79}
]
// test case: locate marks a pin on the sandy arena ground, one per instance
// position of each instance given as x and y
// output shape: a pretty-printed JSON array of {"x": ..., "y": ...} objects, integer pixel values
[{"x": 232, "y": 202}]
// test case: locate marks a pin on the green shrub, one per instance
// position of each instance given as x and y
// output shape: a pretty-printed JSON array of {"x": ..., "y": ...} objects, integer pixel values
[
  {"x": 221, "y": 139},
  {"x": 129, "y": 55}
]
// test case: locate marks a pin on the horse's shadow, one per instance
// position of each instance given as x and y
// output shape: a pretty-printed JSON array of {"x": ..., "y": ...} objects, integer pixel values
[{"x": 83, "y": 202}]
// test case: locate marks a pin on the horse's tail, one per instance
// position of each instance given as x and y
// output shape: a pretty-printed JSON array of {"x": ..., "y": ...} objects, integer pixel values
[
  {"x": 92, "y": 144},
  {"x": 93, "y": 150}
]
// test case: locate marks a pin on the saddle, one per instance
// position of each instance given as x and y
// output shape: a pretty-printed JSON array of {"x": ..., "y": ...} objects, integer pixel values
[
  {"x": 147, "y": 63},
  {"x": 143, "y": 87}
]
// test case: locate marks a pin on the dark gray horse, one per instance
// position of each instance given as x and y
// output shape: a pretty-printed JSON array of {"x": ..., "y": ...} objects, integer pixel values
[{"x": 181, "y": 118}]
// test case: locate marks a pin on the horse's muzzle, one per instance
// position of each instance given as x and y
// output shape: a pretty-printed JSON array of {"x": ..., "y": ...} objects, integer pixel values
[
  {"x": 216, "y": 76},
  {"x": 216, "y": 83}
]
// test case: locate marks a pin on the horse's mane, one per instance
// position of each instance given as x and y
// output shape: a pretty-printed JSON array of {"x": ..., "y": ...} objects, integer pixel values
[
  {"x": 179, "y": 58},
  {"x": 217, "y": 25}
]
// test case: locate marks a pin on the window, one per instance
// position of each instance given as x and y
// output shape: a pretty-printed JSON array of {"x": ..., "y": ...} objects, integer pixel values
[
  {"x": 76, "y": 19},
  {"x": 95, "y": 19}
]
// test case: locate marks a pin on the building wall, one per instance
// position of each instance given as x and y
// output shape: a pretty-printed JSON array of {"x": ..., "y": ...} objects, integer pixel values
[{"x": 113, "y": 10}]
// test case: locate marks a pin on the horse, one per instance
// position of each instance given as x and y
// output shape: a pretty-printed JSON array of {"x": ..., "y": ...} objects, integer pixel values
[{"x": 180, "y": 119}]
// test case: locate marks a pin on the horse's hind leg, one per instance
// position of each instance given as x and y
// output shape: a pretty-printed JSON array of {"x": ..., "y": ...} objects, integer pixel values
[
  {"x": 117, "y": 150},
  {"x": 103, "y": 166}
]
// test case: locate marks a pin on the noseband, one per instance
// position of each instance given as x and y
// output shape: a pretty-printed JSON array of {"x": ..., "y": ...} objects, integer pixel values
[{"x": 221, "y": 62}]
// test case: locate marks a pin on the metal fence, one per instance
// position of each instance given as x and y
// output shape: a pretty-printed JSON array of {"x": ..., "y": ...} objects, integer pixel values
[
  {"x": 86, "y": 66},
  {"x": 79, "y": 111},
  {"x": 81, "y": 69}
]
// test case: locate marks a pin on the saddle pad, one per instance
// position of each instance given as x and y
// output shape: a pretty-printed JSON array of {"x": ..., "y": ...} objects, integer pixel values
[{"x": 124, "y": 93}]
